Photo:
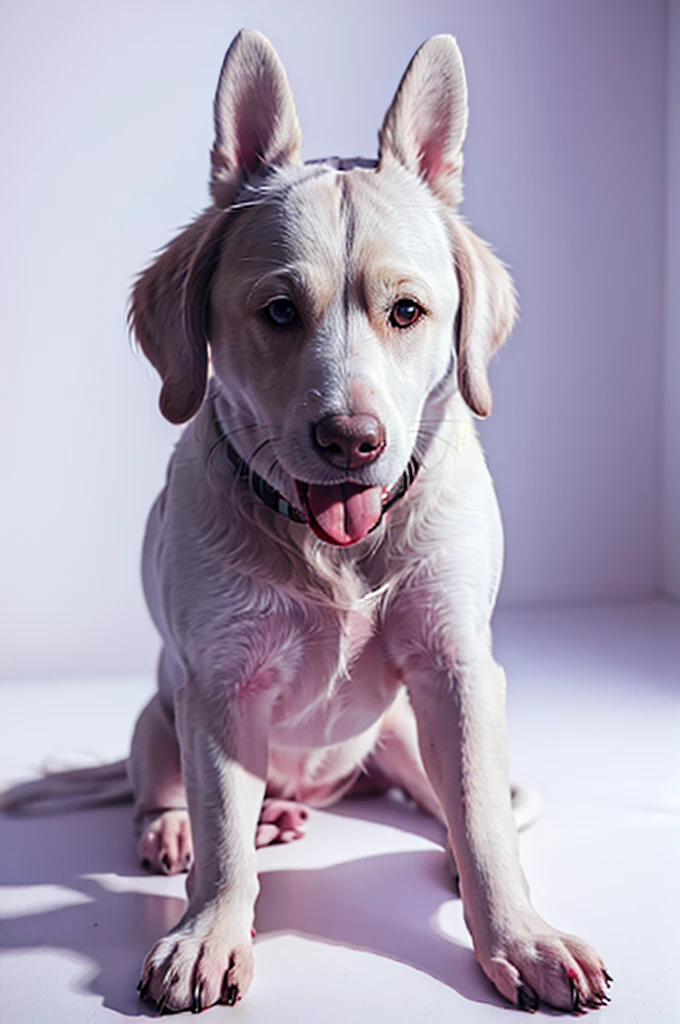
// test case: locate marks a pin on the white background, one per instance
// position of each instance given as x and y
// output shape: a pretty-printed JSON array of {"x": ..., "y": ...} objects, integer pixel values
[{"x": 573, "y": 163}]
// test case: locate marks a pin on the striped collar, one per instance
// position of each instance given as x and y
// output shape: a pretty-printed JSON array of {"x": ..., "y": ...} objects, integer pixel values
[{"x": 275, "y": 500}]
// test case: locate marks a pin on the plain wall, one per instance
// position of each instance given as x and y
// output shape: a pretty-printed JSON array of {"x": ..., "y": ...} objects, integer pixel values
[
  {"x": 670, "y": 549},
  {"x": 106, "y": 132}
]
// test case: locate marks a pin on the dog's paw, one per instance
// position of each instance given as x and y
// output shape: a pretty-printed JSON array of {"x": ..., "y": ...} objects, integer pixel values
[
  {"x": 539, "y": 964},
  {"x": 280, "y": 822},
  {"x": 195, "y": 966},
  {"x": 165, "y": 845}
]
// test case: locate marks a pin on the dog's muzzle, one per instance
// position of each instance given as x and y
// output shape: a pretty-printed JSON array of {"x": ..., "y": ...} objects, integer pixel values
[{"x": 339, "y": 514}]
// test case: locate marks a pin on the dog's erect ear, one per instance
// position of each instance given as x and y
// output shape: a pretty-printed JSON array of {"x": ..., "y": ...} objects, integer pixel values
[
  {"x": 255, "y": 121},
  {"x": 424, "y": 130},
  {"x": 425, "y": 127},
  {"x": 167, "y": 314},
  {"x": 487, "y": 312}
]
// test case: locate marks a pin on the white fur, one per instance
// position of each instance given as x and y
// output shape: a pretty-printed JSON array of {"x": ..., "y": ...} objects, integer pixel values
[{"x": 289, "y": 664}]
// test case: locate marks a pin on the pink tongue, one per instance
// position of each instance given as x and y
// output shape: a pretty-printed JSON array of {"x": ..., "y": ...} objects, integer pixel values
[{"x": 343, "y": 513}]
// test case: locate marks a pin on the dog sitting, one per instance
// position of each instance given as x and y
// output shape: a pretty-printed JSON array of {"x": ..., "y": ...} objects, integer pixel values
[{"x": 324, "y": 559}]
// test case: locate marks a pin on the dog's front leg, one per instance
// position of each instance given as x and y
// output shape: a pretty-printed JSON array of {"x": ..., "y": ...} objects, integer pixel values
[
  {"x": 459, "y": 702},
  {"x": 208, "y": 958}
]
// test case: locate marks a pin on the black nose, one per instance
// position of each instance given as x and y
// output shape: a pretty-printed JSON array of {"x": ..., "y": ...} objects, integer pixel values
[{"x": 350, "y": 441}]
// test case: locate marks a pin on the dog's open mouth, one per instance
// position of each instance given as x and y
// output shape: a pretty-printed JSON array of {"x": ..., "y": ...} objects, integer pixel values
[{"x": 342, "y": 514}]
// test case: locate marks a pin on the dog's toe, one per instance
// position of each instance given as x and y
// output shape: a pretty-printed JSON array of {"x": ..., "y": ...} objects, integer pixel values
[
  {"x": 165, "y": 845},
  {"x": 280, "y": 822},
  {"x": 193, "y": 968},
  {"x": 545, "y": 966}
]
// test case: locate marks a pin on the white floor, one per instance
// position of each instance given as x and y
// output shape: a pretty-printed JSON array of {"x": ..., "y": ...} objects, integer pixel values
[{"x": 357, "y": 921}]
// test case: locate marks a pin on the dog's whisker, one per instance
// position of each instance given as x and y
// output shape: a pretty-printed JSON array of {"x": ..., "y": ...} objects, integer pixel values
[
  {"x": 427, "y": 436},
  {"x": 248, "y": 426},
  {"x": 227, "y": 435},
  {"x": 438, "y": 420},
  {"x": 273, "y": 467},
  {"x": 254, "y": 455}
]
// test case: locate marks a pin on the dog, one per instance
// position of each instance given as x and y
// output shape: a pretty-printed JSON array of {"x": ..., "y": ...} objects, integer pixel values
[{"x": 323, "y": 562}]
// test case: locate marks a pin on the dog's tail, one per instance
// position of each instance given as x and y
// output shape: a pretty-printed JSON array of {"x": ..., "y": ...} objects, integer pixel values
[
  {"x": 72, "y": 790},
  {"x": 526, "y": 805},
  {"x": 100, "y": 785}
]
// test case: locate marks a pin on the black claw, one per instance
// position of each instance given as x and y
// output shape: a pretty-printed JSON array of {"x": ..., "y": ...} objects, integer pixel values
[
  {"x": 527, "y": 999},
  {"x": 196, "y": 1002},
  {"x": 165, "y": 861},
  {"x": 575, "y": 997},
  {"x": 607, "y": 977},
  {"x": 144, "y": 985},
  {"x": 162, "y": 1002},
  {"x": 232, "y": 995}
]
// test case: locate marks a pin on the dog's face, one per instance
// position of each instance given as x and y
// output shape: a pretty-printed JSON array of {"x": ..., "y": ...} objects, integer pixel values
[
  {"x": 332, "y": 300},
  {"x": 331, "y": 319}
]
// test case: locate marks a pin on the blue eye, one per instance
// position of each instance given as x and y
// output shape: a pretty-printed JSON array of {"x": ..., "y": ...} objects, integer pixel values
[{"x": 281, "y": 313}]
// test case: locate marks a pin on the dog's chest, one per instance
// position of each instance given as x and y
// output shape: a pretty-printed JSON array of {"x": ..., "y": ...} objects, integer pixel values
[{"x": 342, "y": 683}]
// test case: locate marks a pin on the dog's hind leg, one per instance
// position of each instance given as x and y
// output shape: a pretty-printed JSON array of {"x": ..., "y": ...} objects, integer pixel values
[
  {"x": 161, "y": 814},
  {"x": 280, "y": 821},
  {"x": 396, "y": 761}
]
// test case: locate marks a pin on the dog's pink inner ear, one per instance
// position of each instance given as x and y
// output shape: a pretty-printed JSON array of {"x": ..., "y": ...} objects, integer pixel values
[
  {"x": 255, "y": 121},
  {"x": 425, "y": 126}
]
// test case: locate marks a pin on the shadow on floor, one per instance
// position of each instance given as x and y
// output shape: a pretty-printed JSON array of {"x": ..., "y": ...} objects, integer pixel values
[{"x": 385, "y": 904}]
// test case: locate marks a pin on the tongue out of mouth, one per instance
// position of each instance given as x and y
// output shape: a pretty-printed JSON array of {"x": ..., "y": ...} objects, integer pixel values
[{"x": 342, "y": 514}]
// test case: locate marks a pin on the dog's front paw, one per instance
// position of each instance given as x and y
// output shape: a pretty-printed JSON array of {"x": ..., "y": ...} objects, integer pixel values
[
  {"x": 537, "y": 963},
  {"x": 198, "y": 964}
]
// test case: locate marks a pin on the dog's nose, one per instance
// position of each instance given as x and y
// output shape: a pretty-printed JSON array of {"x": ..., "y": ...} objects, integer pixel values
[{"x": 350, "y": 441}]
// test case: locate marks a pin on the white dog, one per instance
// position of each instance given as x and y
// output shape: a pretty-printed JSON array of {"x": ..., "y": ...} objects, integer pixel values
[{"x": 323, "y": 562}]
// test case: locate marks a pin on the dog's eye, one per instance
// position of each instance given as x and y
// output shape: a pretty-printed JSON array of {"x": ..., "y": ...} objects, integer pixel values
[
  {"x": 405, "y": 312},
  {"x": 281, "y": 313}
]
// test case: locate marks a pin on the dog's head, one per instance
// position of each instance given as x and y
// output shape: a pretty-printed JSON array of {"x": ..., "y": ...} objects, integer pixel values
[{"x": 341, "y": 307}]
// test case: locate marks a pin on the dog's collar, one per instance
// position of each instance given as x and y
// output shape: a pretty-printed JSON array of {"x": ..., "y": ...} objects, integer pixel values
[
  {"x": 258, "y": 485},
  {"x": 275, "y": 500}
]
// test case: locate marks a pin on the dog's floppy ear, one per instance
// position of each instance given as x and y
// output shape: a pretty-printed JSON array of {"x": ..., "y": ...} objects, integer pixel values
[
  {"x": 167, "y": 314},
  {"x": 255, "y": 128},
  {"x": 487, "y": 312},
  {"x": 425, "y": 126},
  {"x": 255, "y": 121}
]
